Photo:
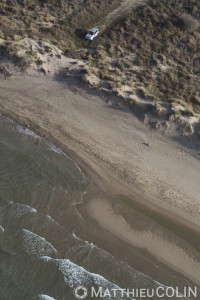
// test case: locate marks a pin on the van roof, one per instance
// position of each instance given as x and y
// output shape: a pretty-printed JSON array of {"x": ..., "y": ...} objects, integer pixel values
[{"x": 93, "y": 29}]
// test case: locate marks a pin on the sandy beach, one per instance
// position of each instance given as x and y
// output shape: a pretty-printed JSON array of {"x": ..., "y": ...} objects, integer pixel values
[{"x": 123, "y": 157}]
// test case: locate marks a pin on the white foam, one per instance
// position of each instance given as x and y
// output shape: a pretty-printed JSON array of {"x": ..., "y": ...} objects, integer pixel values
[
  {"x": 6, "y": 119},
  {"x": 75, "y": 236},
  {"x": 1, "y": 229},
  {"x": 107, "y": 256},
  {"x": 41, "y": 182},
  {"x": 45, "y": 297},
  {"x": 22, "y": 209},
  {"x": 57, "y": 150},
  {"x": 37, "y": 245},
  {"x": 46, "y": 258},
  {"x": 75, "y": 275},
  {"x": 50, "y": 145},
  {"x": 50, "y": 218},
  {"x": 27, "y": 132},
  {"x": 86, "y": 243}
]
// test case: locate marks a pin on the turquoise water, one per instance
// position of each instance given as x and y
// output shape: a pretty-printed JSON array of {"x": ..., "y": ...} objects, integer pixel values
[{"x": 41, "y": 257}]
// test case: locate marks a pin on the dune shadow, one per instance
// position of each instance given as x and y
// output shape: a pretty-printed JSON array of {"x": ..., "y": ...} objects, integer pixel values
[
  {"x": 115, "y": 102},
  {"x": 80, "y": 33}
]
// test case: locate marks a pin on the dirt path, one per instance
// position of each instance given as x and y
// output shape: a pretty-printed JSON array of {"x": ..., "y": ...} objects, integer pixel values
[{"x": 124, "y": 8}]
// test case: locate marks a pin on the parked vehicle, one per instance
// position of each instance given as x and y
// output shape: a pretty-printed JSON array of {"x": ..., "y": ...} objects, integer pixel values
[{"x": 92, "y": 34}]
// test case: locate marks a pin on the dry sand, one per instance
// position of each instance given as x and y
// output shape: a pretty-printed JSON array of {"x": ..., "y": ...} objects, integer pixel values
[{"x": 110, "y": 144}]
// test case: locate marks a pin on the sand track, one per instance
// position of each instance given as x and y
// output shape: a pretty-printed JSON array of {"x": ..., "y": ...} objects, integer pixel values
[{"x": 125, "y": 7}]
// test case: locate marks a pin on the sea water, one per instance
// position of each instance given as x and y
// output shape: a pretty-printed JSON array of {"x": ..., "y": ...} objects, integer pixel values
[{"x": 40, "y": 255}]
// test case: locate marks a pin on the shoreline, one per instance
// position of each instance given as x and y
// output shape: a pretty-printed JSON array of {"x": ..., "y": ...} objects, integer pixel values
[
  {"x": 71, "y": 144},
  {"x": 121, "y": 235},
  {"x": 120, "y": 183},
  {"x": 89, "y": 171}
]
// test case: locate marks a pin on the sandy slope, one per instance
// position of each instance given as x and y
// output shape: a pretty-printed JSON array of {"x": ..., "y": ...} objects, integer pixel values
[{"x": 125, "y": 7}]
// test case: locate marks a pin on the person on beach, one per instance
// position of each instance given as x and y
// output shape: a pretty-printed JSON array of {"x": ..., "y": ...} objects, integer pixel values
[{"x": 5, "y": 72}]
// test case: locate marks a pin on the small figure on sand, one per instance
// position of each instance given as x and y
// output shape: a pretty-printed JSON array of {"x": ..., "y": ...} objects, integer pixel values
[
  {"x": 146, "y": 144},
  {"x": 5, "y": 72}
]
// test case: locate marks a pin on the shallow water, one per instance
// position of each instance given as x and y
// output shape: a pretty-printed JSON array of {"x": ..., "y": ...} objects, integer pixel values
[{"x": 40, "y": 256}]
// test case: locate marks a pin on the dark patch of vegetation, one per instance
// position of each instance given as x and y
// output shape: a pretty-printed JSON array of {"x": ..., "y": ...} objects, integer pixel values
[
  {"x": 8, "y": 52},
  {"x": 50, "y": 30}
]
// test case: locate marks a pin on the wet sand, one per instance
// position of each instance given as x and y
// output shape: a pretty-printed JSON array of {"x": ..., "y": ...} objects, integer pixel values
[
  {"x": 175, "y": 253},
  {"x": 107, "y": 142}
]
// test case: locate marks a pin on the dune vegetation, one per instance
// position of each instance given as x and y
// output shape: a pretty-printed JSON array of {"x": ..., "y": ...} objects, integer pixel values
[{"x": 151, "y": 51}]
